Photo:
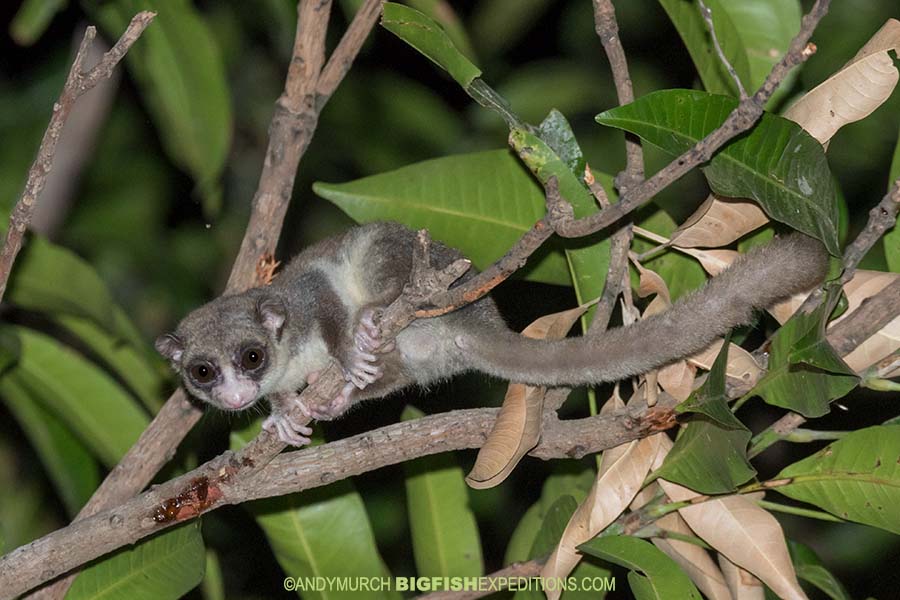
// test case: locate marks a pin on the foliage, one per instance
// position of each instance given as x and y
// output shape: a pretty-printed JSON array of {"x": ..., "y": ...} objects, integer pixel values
[{"x": 519, "y": 95}]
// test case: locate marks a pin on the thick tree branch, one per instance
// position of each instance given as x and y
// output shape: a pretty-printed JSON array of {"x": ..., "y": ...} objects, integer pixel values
[
  {"x": 218, "y": 483},
  {"x": 77, "y": 83}
]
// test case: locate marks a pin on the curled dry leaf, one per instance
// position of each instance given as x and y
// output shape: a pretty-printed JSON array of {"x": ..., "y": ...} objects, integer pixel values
[
  {"x": 677, "y": 379},
  {"x": 746, "y": 534},
  {"x": 887, "y": 340},
  {"x": 619, "y": 480},
  {"x": 743, "y": 585},
  {"x": 695, "y": 561},
  {"x": 518, "y": 426},
  {"x": 851, "y": 94},
  {"x": 738, "y": 528}
]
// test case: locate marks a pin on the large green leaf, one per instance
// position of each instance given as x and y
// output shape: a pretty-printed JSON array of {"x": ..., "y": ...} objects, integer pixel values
[
  {"x": 444, "y": 532},
  {"x": 480, "y": 203},
  {"x": 695, "y": 35},
  {"x": 73, "y": 471},
  {"x": 710, "y": 453},
  {"x": 765, "y": 29},
  {"x": 322, "y": 532},
  {"x": 181, "y": 76},
  {"x": 856, "y": 478},
  {"x": 50, "y": 278},
  {"x": 652, "y": 574},
  {"x": 428, "y": 37},
  {"x": 140, "y": 371},
  {"x": 442, "y": 12},
  {"x": 90, "y": 403},
  {"x": 167, "y": 565},
  {"x": 777, "y": 164},
  {"x": 805, "y": 373}
]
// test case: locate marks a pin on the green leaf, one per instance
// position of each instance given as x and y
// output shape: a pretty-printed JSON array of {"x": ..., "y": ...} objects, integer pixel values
[
  {"x": 73, "y": 471},
  {"x": 662, "y": 577},
  {"x": 49, "y": 278},
  {"x": 322, "y": 532},
  {"x": 140, "y": 371},
  {"x": 710, "y": 399},
  {"x": 480, "y": 203},
  {"x": 805, "y": 373},
  {"x": 776, "y": 164},
  {"x": 442, "y": 11},
  {"x": 556, "y": 153},
  {"x": 710, "y": 453},
  {"x": 444, "y": 532},
  {"x": 93, "y": 406},
  {"x": 10, "y": 349},
  {"x": 708, "y": 458},
  {"x": 167, "y": 565},
  {"x": 765, "y": 29},
  {"x": 428, "y": 37},
  {"x": 695, "y": 35},
  {"x": 809, "y": 568},
  {"x": 856, "y": 478},
  {"x": 181, "y": 76},
  {"x": 33, "y": 18},
  {"x": 556, "y": 486}
]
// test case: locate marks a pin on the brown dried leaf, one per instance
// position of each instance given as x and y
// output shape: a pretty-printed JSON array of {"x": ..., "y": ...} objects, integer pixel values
[
  {"x": 745, "y": 533},
  {"x": 677, "y": 379},
  {"x": 518, "y": 426},
  {"x": 718, "y": 222},
  {"x": 617, "y": 483},
  {"x": 743, "y": 585},
  {"x": 854, "y": 92},
  {"x": 695, "y": 560},
  {"x": 864, "y": 285}
]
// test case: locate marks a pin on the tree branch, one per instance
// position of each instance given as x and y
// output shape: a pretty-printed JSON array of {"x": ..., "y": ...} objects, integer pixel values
[
  {"x": 77, "y": 83},
  {"x": 219, "y": 482}
]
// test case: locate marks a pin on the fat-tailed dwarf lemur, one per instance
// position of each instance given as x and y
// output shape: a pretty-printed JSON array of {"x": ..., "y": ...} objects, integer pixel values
[{"x": 272, "y": 341}]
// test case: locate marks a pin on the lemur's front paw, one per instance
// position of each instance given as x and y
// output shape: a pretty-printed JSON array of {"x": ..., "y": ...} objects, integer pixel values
[
  {"x": 332, "y": 409},
  {"x": 363, "y": 365},
  {"x": 288, "y": 431}
]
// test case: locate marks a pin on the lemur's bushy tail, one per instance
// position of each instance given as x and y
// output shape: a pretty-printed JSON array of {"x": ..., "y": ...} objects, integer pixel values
[{"x": 764, "y": 276}]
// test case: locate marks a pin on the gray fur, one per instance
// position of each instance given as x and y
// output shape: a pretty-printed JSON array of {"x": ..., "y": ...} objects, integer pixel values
[{"x": 325, "y": 287}]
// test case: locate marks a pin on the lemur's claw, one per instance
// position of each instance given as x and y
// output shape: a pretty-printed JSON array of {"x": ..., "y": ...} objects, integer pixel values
[
  {"x": 364, "y": 366},
  {"x": 288, "y": 431}
]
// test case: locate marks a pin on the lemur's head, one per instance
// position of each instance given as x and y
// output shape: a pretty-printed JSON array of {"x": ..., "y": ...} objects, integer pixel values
[{"x": 226, "y": 350}]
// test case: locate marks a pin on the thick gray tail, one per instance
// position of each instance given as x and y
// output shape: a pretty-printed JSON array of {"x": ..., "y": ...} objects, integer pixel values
[{"x": 761, "y": 278}]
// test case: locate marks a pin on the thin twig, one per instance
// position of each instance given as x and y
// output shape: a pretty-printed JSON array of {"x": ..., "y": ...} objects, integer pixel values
[
  {"x": 740, "y": 120},
  {"x": 706, "y": 13},
  {"x": 77, "y": 83}
]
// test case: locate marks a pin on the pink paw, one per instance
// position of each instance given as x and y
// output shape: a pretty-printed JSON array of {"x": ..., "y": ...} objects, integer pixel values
[
  {"x": 331, "y": 410},
  {"x": 288, "y": 431},
  {"x": 364, "y": 367}
]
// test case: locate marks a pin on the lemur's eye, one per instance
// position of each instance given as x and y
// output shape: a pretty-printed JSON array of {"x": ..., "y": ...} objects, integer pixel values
[
  {"x": 202, "y": 372},
  {"x": 252, "y": 358}
]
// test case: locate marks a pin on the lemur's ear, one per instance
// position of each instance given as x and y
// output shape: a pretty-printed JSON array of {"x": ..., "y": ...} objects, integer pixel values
[
  {"x": 170, "y": 346},
  {"x": 272, "y": 314}
]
